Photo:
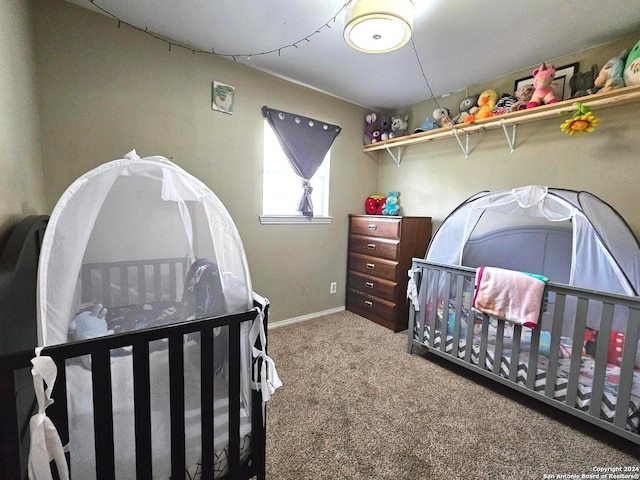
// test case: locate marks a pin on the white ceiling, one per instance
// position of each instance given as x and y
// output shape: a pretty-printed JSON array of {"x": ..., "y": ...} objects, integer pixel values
[{"x": 458, "y": 43}]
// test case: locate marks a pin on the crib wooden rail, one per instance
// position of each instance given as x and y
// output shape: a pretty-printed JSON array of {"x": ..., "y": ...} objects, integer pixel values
[
  {"x": 447, "y": 326},
  {"x": 14, "y": 417}
]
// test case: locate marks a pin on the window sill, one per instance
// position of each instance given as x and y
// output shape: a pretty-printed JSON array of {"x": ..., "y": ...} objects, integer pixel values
[{"x": 293, "y": 220}]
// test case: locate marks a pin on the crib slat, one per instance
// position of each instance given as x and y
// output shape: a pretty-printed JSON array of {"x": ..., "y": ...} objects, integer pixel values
[
  {"x": 482, "y": 357},
  {"x": 515, "y": 353},
  {"x": 434, "y": 308},
  {"x": 103, "y": 413},
  {"x": 532, "y": 368},
  {"x": 626, "y": 370},
  {"x": 556, "y": 333},
  {"x": 468, "y": 348},
  {"x": 176, "y": 404},
  {"x": 106, "y": 286},
  {"x": 497, "y": 356},
  {"x": 444, "y": 321},
  {"x": 157, "y": 282},
  {"x": 9, "y": 439},
  {"x": 142, "y": 285},
  {"x": 142, "y": 409},
  {"x": 206, "y": 400},
  {"x": 424, "y": 277},
  {"x": 124, "y": 285},
  {"x": 599, "y": 372},
  {"x": 459, "y": 283},
  {"x": 576, "y": 353},
  {"x": 234, "y": 400}
]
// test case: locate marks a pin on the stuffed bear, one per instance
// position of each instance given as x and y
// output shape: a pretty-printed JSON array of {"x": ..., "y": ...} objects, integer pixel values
[
  {"x": 372, "y": 129},
  {"x": 399, "y": 126},
  {"x": 486, "y": 103},
  {"x": 582, "y": 82},
  {"x": 385, "y": 128},
  {"x": 468, "y": 105},
  {"x": 543, "y": 93},
  {"x": 632, "y": 66},
  {"x": 523, "y": 94},
  {"x": 442, "y": 116},
  {"x": 391, "y": 206},
  {"x": 611, "y": 75}
]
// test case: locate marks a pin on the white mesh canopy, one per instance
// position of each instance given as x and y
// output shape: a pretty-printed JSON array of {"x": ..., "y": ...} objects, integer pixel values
[
  {"x": 604, "y": 253},
  {"x": 129, "y": 210}
]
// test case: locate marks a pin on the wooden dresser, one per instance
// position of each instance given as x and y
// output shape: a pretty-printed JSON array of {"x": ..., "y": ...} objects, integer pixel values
[{"x": 380, "y": 253}]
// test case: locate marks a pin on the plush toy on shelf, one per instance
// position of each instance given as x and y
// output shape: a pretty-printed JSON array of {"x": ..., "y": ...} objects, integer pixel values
[
  {"x": 486, "y": 103},
  {"x": 374, "y": 204},
  {"x": 504, "y": 104},
  {"x": 582, "y": 83},
  {"x": 632, "y": 66},
  {"x": 372, "y": 129},
  {"x": 543, "y": 93},
  {"x": 523, "y": 94},
  {"x": 391, "y": 206},
  {"x": 442, "y": 116},
  {"x": 426, "y": 126},
  {"x": 468, "y": 106},
  {"x": 399, "y": 126},
  {"x": 611, "y": 75}
]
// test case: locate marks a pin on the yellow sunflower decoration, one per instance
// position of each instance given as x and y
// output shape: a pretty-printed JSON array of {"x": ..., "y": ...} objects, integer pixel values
[{"x": 583, "y": 121}]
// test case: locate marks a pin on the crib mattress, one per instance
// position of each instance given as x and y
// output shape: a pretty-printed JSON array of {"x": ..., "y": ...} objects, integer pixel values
[
  {"x": 585, "y": 381},
  {"x": 80, "y": 408}
]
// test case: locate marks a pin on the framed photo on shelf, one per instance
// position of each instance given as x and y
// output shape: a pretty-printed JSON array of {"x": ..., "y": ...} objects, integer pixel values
[{"x": 560, "y": 84}]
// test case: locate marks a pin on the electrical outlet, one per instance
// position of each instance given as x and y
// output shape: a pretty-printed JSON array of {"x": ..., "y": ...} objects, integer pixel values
[{"x": 333, "y": 288}]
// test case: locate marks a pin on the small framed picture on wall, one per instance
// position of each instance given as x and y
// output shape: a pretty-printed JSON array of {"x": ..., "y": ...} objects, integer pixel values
[{"x": 223, "y": 97}]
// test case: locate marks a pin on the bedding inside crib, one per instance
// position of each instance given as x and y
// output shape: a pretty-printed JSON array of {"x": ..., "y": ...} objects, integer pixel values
[{"x": 487, "y": 332}]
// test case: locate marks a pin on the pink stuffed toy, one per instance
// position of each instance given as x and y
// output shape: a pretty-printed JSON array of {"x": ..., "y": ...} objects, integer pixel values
[{"x": 542, "y": 78}]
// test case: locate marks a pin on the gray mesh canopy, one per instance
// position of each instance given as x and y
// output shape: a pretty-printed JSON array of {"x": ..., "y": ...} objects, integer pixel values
[{"x": 590, "y": 245}]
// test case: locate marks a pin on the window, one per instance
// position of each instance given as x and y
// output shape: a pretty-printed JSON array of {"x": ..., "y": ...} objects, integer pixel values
[{"x": 282, "y": 188}]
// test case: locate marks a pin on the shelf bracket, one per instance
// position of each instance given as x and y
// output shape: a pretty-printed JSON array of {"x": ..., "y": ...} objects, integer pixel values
[
  {"x": 397, "y": 159},
  {"x": 511, "y": 141},
  {"x": 465, "y": 148}
]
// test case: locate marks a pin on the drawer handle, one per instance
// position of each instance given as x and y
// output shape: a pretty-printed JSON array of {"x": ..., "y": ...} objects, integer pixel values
[
  {"x": 373, "y": 226},
  {"x": 368, "y": 284},
  {"x": 371, "y": 246},
  {"x": 371, "y": 266},
  {"x": 368, "y": 303}
]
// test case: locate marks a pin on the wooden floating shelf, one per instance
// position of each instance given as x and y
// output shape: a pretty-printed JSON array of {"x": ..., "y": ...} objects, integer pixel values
[{"x": 613, "y": 98}]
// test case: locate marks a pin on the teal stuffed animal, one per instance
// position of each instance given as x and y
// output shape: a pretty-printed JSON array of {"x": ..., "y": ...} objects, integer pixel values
[{"x": 391, "y": 206}]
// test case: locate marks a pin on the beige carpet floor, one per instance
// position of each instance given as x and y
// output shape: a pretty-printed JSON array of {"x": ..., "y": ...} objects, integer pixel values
[{"x": 355, "y": 405}]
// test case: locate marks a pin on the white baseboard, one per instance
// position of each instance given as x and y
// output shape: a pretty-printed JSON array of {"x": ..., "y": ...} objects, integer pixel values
[{"x": 303, "y": 318}]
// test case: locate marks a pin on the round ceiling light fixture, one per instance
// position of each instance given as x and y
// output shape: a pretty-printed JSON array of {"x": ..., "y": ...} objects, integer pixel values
[{"x": 378, "y": 26}]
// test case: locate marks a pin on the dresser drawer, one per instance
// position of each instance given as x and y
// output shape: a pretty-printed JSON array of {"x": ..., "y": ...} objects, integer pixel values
[
  {"x": 373, "y": 286},
  {"x": 376, "y": 226},
  {"x": 372, "y": 305},
  {"x": 377, "y": 247},
  {"x": 373, "y": 266}
]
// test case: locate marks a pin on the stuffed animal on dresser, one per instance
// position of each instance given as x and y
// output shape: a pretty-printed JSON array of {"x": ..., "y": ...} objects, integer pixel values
[
  {"x": 543, "y": 93},
  {"x": 612, "y": 74},
  {"x": 391, "y": 206}
]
